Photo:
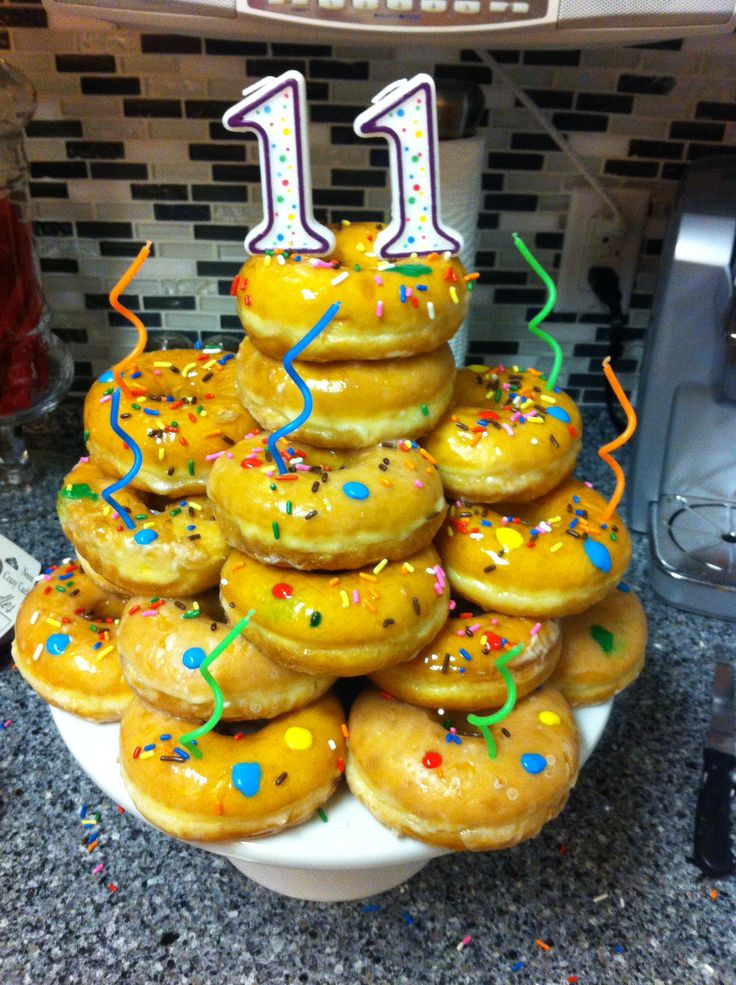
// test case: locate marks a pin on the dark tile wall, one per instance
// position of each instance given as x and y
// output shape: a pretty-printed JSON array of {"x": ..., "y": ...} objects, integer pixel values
[{"x": 127, "y": 145}]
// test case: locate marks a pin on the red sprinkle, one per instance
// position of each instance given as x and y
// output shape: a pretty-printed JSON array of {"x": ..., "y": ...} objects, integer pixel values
[
  {"x": 251, "y": 463},
  {"x": 432, "y": 760},
  {"x": 136, "y": 752},
  {"x": 341, "y": 764},
  {"x": 282, "y": 590}
]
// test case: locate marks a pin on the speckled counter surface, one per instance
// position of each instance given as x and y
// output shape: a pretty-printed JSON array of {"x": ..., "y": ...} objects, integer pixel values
[{"x": 607, "y": 887}]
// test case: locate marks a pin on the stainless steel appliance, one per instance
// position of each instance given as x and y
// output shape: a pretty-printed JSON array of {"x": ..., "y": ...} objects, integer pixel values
[{"x": 683, "y": 481}]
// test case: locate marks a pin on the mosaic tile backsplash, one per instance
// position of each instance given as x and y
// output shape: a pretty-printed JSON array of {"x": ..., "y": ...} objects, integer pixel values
[{"x": 127, "y": 145}]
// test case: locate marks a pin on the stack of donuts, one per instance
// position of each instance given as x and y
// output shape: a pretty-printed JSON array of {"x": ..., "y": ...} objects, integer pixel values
[{"x": 418, "y": 533}]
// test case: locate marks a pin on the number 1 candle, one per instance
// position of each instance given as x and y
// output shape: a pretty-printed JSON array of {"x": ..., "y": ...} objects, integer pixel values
[
  {"x": 275, "y": 110},
  {"x": 405, "y": 112}
]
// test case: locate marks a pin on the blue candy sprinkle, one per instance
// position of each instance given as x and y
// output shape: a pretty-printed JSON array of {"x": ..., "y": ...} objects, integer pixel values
[
  {"x": 57, "y": 643},
  {"x": 597, "y": 554},
  {"x": 106, "y": 377},
  {"x": 193, "y": 657},
  {"x": 559, "y": 413},
  {"x": 145, "y": 536},
  {"x": 247, "y": 778},
  {"x": 356, "y": 490},
  {"x": 533, "y": 763}
]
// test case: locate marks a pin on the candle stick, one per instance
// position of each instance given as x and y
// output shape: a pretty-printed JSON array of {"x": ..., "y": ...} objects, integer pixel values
[
  {"x": 275, "y": 110},
  {"x": 117, "y": 370},
  {"x": 405, "y": 112},
  {"x": 288, "y": 360},
  {"x": 540, "y": 316},
  {"x": 483, "y": 722},
  {"x": 190, "y": 738},
  {"x": 117, "y": 374},
  {"x": 603, "y": 452}
]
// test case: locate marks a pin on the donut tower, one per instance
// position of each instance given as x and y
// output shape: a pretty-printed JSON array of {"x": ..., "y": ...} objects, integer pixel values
[{"x": 366, "y": 511}]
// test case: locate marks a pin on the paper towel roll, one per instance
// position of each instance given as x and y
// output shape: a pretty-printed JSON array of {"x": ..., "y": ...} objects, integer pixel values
[{"x": 461, "y": 165}]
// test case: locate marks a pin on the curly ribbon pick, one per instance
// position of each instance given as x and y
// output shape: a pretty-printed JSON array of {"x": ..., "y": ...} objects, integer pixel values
[
  {"x": 551, "y": 298},
  {"x": 107, "y": 492},
  {"x": 289, "y": 358},
  {"x": 483, "y": 722},
  {"x": 117, "y": 372},
  {"x": 617, "y": 442},
  {"x": 189, "y": 739}
]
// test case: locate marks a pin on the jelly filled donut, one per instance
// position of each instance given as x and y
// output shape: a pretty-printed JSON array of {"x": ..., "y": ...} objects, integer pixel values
[
  {"x": 452, "y": 794},
  {"x": 66, "y": 645},
  {"x": 239, "y": 786},
  {"x": 504, "y": 437},
  {"x": 184, "y": 411},
  {"x": 603, "y": 649},
  {"x": 331, "y": 509},
  {"x": 458, "y": 670},
  {"x": 177, "y": 550},
  {"x": 344, "y": 623},
  {"x": 163, "y": 643},
  {"x": 355, "y": 402},
  {"x": 550, "y": 557},
  {"x": 386, "y": 309}
]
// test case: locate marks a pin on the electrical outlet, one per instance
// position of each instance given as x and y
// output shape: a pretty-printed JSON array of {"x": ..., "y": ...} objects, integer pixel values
[{"x": 593, "y": 239}]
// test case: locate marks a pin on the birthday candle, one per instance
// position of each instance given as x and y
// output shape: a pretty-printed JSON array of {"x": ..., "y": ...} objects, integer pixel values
[
  {"x": 604, "y": 451},
  {"x": 275, "y": 110},
  {"x": 405, "y": 112}
]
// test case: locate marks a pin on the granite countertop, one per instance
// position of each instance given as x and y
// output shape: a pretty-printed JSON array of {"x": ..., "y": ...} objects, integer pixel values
[{"x": 605, "y": 894}]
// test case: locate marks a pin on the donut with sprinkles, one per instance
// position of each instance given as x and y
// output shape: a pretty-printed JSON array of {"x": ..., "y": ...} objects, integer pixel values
[
  {"x": 457, "y": 669},
  {"x": 254, "y": 782},
  {"x": 505, "y": 437},
  {"x": 175, "y": 549},
  {"x": 344, "y": 623},
  {"x": 356, "y": 403},
  {"x": 431, "y": 780},
  {"x": 387, "y": 310},
  {"x": 552, "y": 556},
  {"x": 183, "y": 413},
  {"x": 329, "y": 509},
  {"x": 163, "y": 642},
  {"x": 603, "y": 648},
  {"x": 65, "y": 644}
]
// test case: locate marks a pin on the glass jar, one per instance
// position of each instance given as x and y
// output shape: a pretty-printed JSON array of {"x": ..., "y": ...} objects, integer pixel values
[{"x": 36, "y": 369}]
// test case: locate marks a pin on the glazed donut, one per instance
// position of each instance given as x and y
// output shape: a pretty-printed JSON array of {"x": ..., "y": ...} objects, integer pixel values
[
  {"x": 344, "y": 624},
  {"x": 457, "y": 670},
  {"x": 549, "y": 557},
  {"x": 332, "y": 509},
  {"x": 162, "y": 645},
  {"x": 184, "y": 412},
  {"x": 603, "y": 649},
  {"x": 66, "y": 645},
  {"x": 356, "y": 402},
  {"x": 401, "y": 767},
  {"x": 178, "y": 550},
  {"x": 387, "y": 310},
  {"x": 240, "y": 786},
  {"x": 504, "y": 436}
]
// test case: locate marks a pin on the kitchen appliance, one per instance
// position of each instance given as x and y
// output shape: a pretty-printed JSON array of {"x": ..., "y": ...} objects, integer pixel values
[
  {"x": 712, "y": 843},
  {"x": 682, "y": 484},
  {"x": 455, "y": 22}
]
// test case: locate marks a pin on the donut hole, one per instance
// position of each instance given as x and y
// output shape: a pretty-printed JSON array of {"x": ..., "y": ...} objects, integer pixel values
[
  {"x": 240, "y": 728},
  {"x": 456, "y": 722}
]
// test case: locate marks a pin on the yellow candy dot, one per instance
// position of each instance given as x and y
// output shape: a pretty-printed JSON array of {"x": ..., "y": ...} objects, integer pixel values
[
  {"x": 509, "y": 538},
  {"x": 298, "y": 738},
  {"x": 549, "y": 718}
]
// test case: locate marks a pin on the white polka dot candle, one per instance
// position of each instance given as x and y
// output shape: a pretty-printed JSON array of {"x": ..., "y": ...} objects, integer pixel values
[
  {"x": 275, "y": 110},
  {"x": 405, "y": 112}
]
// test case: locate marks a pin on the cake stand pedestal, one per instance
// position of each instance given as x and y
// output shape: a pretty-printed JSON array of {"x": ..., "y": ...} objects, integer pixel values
[{"x": 348, "y": 857}]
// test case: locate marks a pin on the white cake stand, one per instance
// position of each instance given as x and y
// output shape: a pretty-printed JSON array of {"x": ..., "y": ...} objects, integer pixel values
[{"x": 349, "y": 857}]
